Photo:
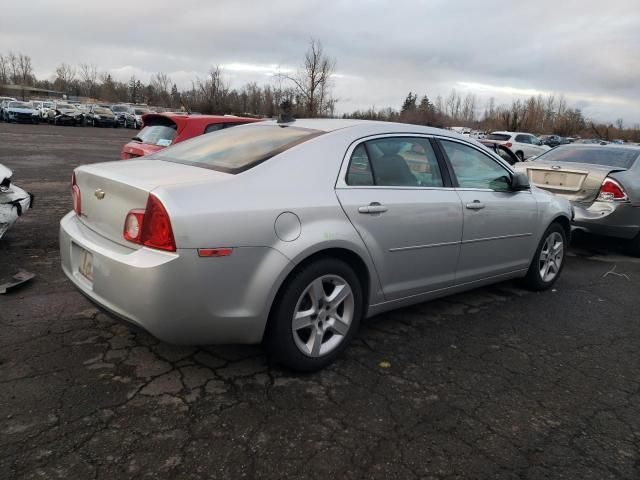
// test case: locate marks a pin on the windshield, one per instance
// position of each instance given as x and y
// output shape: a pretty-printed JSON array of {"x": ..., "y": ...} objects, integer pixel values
[
  {"x": 47, "y": 104},
  {"x": 498, "y": 136},
  {"x": 121, "y": 108},
  {"x": 141, "y": 111},
  {"x": 20, "y": 105},
  {"x": 596, "y": 155},
  {"x": 102, "y": 110},
  {"x": 237, "y": 149},
  {"x": 64, "y": 105}
]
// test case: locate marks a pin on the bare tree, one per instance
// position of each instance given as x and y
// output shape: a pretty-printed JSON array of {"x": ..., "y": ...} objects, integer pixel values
[
  {"x": 24, "y": 70},
  {"x": 4, "y": 69},
  {"x": 161, "y": 82},
  {"x": 65, "y": 75},
  {"x": 89, "y": 77},
  {"x": 14, "y": 67},
  {"x": 313, "y": 82}
]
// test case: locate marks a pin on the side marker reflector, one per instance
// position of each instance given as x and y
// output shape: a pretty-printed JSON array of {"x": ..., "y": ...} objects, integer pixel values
[{"x": 214, "y": 252}]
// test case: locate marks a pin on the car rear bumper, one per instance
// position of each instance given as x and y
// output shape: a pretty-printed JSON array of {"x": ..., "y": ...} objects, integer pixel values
[
  {"x": 177, "y": 297},
  {"x": 621, "y": 220}
]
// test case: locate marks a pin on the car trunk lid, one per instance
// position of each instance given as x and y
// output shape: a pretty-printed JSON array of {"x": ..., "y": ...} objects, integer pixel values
[
  {"x": 578, "y": 182},
  {"x": 110, "y": 190}
]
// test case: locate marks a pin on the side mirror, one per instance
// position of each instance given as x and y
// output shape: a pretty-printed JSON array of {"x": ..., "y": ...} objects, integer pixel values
[{"x": 520, "y": 182}]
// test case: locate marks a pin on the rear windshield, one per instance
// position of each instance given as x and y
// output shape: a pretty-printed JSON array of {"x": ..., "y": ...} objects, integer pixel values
[
  {"x": 596, "y": 155},
  {"x": 101, "y": 110},
  {"x": 161, "y": 135},
  {"x": 498, "y": 136},
  {"x": 234, "y": 150}
]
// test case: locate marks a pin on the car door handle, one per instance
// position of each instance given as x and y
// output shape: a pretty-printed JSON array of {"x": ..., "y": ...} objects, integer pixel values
[
  {"x": 373, "y": 207},
  {"x": 475, "y": 205}
]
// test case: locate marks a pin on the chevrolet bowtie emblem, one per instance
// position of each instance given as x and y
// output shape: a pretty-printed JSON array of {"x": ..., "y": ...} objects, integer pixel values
[{"x": 99, "y": 193}]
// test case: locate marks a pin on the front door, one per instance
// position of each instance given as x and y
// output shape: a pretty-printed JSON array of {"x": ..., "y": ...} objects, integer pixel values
[
  {"x": 497, "y": 236},
  {"x": 407, "y": 214}
]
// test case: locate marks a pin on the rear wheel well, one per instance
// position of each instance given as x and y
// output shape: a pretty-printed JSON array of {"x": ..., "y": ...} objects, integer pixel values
[
  {"x": 565, "y": 224},
  {"x": 350, "y": 258}
]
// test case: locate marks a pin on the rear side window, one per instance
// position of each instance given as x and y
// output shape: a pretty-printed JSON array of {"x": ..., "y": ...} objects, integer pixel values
[
  {"x": 214, "y": 127},
  {"x": 502, "y": 137},
  {"x": 523, "y": 139},
  {"x": 395, "y": 161},
  {"x": 234, "y": 150},
  {"x": 596, "y": 155}
]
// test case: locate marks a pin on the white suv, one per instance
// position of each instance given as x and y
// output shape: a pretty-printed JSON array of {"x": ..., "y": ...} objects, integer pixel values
[{"x": 524, "y": 145}]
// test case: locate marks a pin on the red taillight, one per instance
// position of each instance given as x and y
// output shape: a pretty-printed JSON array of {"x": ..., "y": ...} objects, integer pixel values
[
  {"x": 508, "y": 144},
  {"x": 75, "y": 195},
  {"x": 611, "y": 191},
  {"x": 150, "y": 227}
]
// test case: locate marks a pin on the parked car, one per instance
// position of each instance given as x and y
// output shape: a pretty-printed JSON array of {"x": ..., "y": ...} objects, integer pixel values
[
  {"x": 502, "y": 150},
  {"x": 3, "y": 103},
  {"x": 20, "y": 112},
  {"x": 553, "y": 140},
  {"x": 524, "y": 145},
  {"x": 125, "y": 115},
  {"x": 44, "y": 111},
  {"x": 139, "y": 112},
  {"x": 294, "y": 232},
  {"x": 602, "y": 182},
  {"x": 164, "y": 129},
  {"x": 62, "y": 113},
  {"x": 98, "y": 116},
  {"x": 14, "y": 201}
]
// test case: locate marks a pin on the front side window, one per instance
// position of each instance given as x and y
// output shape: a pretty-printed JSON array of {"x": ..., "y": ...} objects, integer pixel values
[
  {"x": 474, "y": 169},
  {"x": 395, "y": 161}
]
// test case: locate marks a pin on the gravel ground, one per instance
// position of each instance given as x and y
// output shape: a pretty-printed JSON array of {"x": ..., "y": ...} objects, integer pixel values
[{"x": 494, "y": 383}]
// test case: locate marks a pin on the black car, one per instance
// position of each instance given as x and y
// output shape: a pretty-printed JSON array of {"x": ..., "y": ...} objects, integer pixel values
[
  {"x": 554, "y": 140},
  {"x": 125, "y": 115},
  {"x": 505, "y": 153},
  {"x": 65, "y": 114},
  {"x": 98, "y": 116}
]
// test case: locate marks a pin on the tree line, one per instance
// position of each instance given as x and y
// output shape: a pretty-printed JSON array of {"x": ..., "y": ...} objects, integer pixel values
[{"x": 308, "y": 92}]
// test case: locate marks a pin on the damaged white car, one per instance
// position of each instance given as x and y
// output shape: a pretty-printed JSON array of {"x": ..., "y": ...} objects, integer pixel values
[{"x": 14, "y": 201}]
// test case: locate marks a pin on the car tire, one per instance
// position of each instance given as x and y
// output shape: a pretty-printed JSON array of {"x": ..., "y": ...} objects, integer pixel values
[
  {"x": 299, "y": 346},
  {"x": 520, "y": 155},
  {"x": 549, "y": 259}
]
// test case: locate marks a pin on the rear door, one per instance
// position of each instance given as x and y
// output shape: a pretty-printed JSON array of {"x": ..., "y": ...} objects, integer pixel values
[
  {"x": 497, "y": 236},
  {"x": 399, "y": 198}
]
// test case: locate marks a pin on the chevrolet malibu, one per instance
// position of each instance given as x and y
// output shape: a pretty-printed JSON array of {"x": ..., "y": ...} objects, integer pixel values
[{"x": 291, "y": 233}]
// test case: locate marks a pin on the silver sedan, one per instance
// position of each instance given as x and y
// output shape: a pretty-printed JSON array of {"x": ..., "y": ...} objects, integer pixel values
[
  {"x": 601, "y": 181},
  {"x": 291, "y": 233}
]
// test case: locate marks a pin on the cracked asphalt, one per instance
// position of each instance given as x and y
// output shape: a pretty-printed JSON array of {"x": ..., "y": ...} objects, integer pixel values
[{"x": 494, "y": 383}]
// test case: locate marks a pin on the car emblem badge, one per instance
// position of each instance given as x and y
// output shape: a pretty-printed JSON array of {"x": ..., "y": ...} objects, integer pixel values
[{"x": 99, "y": 193}]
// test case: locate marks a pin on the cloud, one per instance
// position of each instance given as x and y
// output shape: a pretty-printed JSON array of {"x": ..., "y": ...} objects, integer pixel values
[{"x": 384, "y": 49}]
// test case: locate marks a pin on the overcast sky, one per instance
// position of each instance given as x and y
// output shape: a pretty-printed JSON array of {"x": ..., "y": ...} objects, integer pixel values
[{"x": 587, "y": 50}]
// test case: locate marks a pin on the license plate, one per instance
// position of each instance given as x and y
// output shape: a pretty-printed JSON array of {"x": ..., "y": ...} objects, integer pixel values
[
  {"x": 86, "y": 265},
  {"x": 557, "y": 179}
]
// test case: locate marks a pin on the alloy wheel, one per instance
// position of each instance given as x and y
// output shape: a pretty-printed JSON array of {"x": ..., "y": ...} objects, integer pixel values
[
  {"x": 323, "y": 315},
  {"x": 551, "y": 257}
]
